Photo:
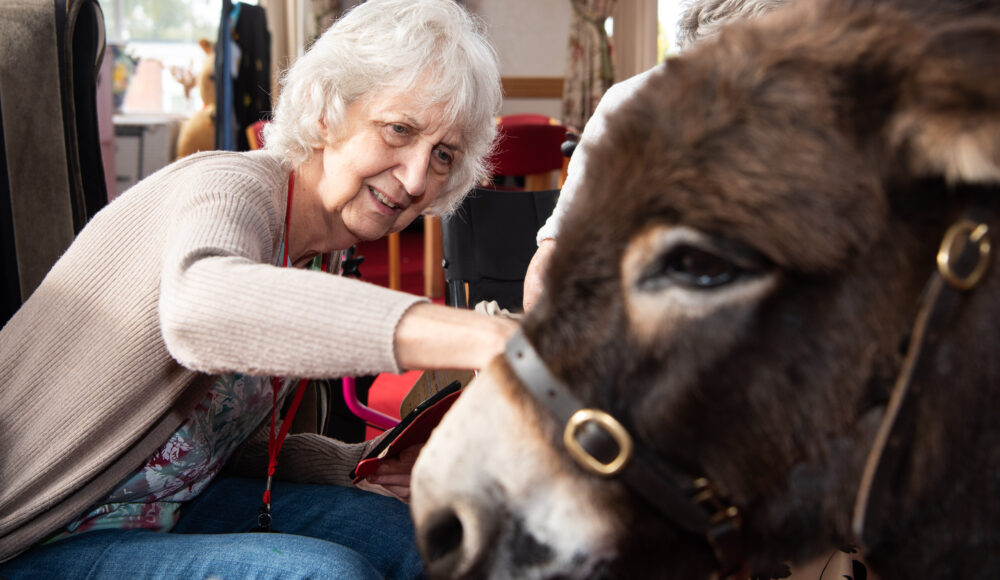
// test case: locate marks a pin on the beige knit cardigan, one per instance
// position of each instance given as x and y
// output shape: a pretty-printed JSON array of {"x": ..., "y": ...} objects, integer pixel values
[{"x": 166, "y": 287}]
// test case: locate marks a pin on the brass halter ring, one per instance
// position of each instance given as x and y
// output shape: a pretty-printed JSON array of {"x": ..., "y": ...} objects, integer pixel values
[
  {"x": 975, "y": 233},
  {"x": 612, "y": 427}
]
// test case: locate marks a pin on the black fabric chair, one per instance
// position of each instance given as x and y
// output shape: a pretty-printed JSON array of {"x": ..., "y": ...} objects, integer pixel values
[
  {"x": 51, "y": 172},
  {"x": 488, "y": 243}
]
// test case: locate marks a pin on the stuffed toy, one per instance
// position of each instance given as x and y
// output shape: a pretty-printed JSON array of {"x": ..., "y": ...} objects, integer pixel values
[{"x": 197, "y": 133}]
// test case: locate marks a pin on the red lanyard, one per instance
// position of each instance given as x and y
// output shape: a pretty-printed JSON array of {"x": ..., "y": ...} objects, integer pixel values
[{"x": 274, "y": 443}]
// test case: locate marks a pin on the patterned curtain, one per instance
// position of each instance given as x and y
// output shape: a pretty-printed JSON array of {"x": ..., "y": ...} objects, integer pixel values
[{"x": 589, "y": 71}]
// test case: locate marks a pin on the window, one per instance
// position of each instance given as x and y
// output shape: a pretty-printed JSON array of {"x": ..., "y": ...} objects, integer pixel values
[
  {"x": 166, "y": 33},
  {"x": 668, "y": 14},
  {"x": 647, "y": 33}
]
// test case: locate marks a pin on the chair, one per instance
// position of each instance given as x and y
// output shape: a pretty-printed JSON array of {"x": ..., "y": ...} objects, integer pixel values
[
  {"x": 529, "y": 148},
  {"x": 527, "y": 118},
  {"x": 488, "y": 243},
  {"x": 52, "y": 178}
]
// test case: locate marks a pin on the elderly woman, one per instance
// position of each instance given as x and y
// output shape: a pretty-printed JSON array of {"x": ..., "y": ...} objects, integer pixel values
[{"x": 131, "y": 375}]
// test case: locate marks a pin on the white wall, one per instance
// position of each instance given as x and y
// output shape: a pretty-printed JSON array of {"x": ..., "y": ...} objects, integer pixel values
[{"x": 531, "y": 37}]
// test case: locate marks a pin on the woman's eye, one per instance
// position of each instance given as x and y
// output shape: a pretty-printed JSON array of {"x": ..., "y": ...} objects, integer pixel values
[
  {"x": 396, "y": 134},
  {"x": 690, "y": 267},
  {"x": 443, "y": 156}
]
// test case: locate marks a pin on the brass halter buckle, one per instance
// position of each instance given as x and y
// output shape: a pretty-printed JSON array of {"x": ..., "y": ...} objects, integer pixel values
[
  {"x": 610, "y": 426},
  {"x": 967, "y": 232}
]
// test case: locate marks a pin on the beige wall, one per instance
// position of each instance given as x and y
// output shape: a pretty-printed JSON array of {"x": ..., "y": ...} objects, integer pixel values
[{"x": 531, "y": 37}]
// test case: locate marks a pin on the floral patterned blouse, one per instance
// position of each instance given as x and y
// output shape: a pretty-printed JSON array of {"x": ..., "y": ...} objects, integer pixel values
[{"x": 151, "y": 498}]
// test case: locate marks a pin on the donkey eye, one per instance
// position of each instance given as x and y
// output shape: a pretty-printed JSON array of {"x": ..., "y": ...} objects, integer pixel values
[{"x": 691, "y": 267}]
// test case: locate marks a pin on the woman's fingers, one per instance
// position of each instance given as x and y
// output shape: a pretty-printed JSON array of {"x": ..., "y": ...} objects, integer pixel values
[{"x": 392, "y": 477}]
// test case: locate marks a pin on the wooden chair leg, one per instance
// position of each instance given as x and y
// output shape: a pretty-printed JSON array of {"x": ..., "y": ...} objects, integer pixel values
[
  {"x": 433, "y": 253},
  {"x": 539, "y": 181},
  {"x": 395, "y": 269}
]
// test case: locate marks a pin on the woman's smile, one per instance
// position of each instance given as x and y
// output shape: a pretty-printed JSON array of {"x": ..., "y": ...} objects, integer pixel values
[{"x": 384, "y": 204}]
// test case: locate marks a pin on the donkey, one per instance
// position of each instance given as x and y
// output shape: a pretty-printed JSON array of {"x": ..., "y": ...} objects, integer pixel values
[{"x": 771, "y": 325}]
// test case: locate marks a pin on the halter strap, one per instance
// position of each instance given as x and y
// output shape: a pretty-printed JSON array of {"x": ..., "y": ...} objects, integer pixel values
[
  {"x": 942, "y": 296},
  {"x": 602, "y": 446}
]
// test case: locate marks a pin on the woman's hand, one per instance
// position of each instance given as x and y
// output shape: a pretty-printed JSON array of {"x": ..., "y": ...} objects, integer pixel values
[
  {"x": 534, "y": 278},
  {"x": 430, "y": 336},
  {"x": 392, "y": 478}
]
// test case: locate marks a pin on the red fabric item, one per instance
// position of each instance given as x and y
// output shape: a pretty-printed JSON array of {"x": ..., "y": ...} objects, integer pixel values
[
  {"x": 528, "y": 148},
  {"x": 255, "y": 135},
  {"x": 412, "y": 433},
  {"x": 386, "y": 394}
]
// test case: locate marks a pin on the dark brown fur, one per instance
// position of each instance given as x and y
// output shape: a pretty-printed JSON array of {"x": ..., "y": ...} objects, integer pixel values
[{"x": 820, "y": 137}]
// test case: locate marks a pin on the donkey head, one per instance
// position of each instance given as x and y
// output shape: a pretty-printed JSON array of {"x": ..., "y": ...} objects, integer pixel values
[{"x": 735, "y": 285}]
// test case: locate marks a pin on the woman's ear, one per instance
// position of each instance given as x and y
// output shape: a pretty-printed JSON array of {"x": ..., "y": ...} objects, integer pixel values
[
  {"x": 947, "y": 119},
  {"x": 324, "y": 131}
]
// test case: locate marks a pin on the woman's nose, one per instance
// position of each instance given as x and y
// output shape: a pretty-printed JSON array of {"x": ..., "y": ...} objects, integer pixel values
[{"x": 412, "y": 169}]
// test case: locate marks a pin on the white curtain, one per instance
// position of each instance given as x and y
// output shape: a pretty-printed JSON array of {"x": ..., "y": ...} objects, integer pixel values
[
  {"x": 634, "y": 37},
  {"x": 293, "y": 25},
  {"x": 285, "y": 20}
]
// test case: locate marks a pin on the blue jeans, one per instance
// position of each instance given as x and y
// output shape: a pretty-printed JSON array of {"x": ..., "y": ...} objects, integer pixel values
[{"x": 325, "y": 532}]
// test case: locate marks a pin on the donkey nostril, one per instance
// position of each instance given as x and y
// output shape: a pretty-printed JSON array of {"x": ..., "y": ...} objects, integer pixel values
[
  {"x": 443, "y": 535},
  {"x": 455, "y": 539}
]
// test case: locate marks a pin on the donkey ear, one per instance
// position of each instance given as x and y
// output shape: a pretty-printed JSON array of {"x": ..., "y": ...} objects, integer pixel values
[{"x": 948, "y": 116}]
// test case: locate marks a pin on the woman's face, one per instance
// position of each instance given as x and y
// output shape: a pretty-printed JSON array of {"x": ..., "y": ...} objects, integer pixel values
[{"x": 392, "y": 161}]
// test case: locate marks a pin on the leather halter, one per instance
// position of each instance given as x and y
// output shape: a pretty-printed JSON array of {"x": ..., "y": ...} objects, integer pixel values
[
  {"x": 966, "y": 240},
  {"x": 602, "y": 446}
]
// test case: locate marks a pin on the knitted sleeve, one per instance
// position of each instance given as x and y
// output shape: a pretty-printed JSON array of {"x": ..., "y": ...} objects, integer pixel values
[
  {"x": 305, "y": 458},
  {"x": 224, "y": 308}
]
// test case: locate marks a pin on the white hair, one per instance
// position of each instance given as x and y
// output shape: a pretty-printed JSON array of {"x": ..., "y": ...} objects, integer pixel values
[
  {"x": 703, "y": 18},
  {"x": 431, "y": 48}
]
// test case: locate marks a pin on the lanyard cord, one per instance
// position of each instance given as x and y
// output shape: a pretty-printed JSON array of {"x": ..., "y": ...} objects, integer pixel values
[{"x": 274, "y": 442}]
